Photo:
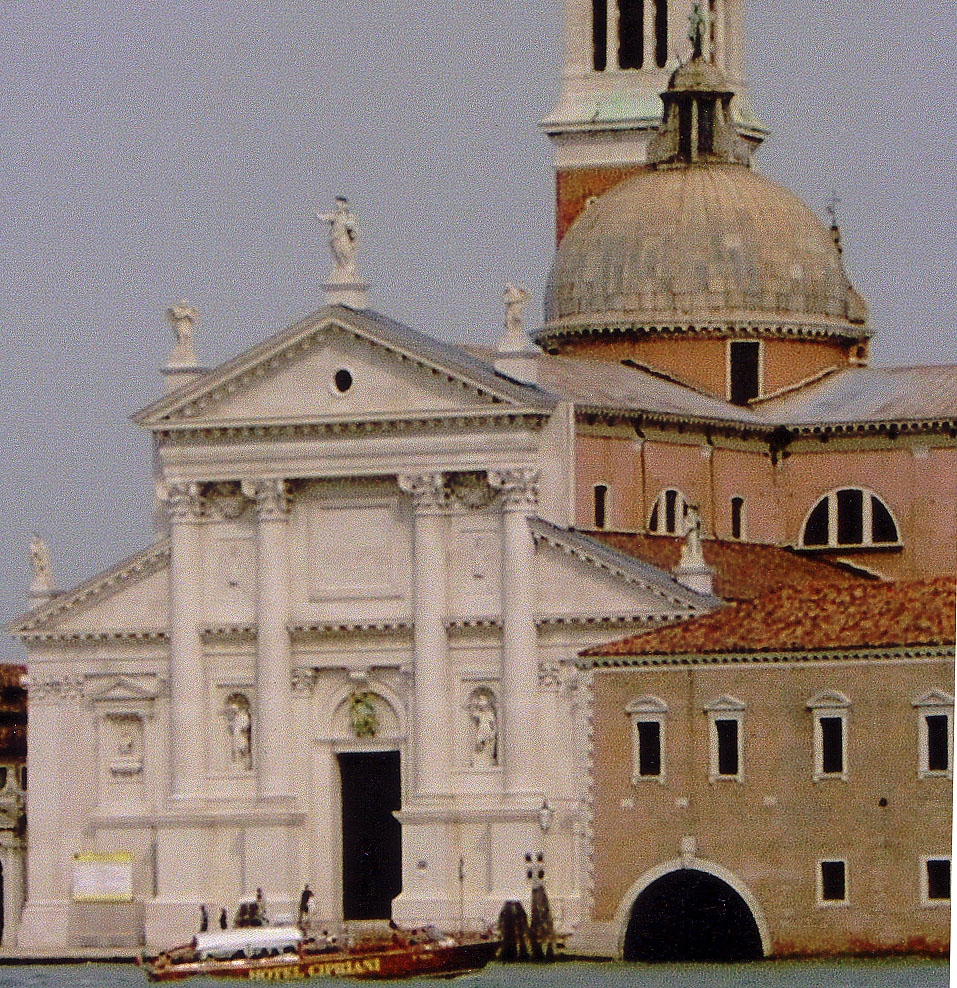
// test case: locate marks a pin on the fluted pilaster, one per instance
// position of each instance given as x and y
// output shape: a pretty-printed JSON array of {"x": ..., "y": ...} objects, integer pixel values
[{"x": 187, "y": 685}]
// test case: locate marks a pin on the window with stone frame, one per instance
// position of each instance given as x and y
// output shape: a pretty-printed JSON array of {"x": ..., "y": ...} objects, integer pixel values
[
  {"x": 725, "y": 739},
  {"x": 935, "y": 734},
  {"x": 647, "y": 715},
  {"x": 935, "y": 880},
  {"x": 832, "y": 882},
  {"x": 849, "y": 516},
  {"x": 668, "y": 513},
  {"x": 830, "y": 712}
]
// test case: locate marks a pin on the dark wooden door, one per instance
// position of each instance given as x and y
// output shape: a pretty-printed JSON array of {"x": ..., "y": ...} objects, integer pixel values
[{"x": 371, "y": 836}]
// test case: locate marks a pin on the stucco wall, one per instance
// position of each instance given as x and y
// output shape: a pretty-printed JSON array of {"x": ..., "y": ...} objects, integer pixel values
[
  {"x": 917, "y": 483},
  {"x": 771, "y": 829}
]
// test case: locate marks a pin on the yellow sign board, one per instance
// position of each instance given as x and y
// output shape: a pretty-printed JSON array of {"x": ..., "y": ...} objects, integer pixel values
[{"x": 103, "y": 877}]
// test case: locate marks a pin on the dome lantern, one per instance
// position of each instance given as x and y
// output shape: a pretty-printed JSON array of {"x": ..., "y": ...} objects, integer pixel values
[{"x": 696, "y": 123}]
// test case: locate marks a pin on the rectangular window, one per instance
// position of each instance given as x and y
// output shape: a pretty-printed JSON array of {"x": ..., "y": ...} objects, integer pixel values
[
  {"x": 832, "y": 745},
  {"x": 649, "y": 748},
  {"x": 599, "y": 15},
  {"x": 744, "y": 375},
  {"x": 737, "y": 517},
  {"x": 647, "y": 714},
  {"x": 938, "y": 742},
  {"x": 601, "y": 504},
  {"x": 726, "y": 732},
  {"x": 937, "y": 879},
  {"x": 833, "y": 881}
]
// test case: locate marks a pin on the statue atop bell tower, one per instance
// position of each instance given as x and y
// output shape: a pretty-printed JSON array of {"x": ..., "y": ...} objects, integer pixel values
[{"x": 619, "y": 55}]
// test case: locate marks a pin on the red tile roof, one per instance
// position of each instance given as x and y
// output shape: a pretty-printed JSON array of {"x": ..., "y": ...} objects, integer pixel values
[
  {"x": 810, "y": 618},
  {"x": 743, "y": 570}
]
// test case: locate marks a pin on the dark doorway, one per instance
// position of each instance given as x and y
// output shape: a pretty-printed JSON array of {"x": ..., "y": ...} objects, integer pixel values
[
  {"x": 371, "y": 836},
  {"x": 689, "y": 915}
]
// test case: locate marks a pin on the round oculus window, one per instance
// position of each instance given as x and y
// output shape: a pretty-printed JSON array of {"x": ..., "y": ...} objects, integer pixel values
[{"x": 342, "y": 379}]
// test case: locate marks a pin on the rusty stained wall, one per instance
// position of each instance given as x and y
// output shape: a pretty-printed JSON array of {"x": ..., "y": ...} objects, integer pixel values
[
  {"x": 575, "y": 186},
  {"x": 771, "y": 829}
]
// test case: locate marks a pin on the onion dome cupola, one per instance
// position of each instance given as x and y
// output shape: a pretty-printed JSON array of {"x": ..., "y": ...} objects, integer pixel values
[{"x": 698, "y": 248}]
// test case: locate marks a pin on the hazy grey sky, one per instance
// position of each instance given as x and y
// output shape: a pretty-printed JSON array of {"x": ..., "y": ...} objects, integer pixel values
[{"x": 160, "y": 150}]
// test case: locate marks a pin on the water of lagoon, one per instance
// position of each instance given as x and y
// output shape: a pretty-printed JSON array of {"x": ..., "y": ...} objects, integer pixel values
[{"x": 910, "y": 973}]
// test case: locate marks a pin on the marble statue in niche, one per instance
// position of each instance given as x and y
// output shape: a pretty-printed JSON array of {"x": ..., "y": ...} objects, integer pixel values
[
  {"x": 483, "y": 713},
  {"x": 239, "y": 730},
  {"x": 126, "y": 756}
]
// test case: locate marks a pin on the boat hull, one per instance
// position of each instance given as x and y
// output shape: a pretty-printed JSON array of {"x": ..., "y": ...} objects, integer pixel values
[{"x": 385, "y": 963}]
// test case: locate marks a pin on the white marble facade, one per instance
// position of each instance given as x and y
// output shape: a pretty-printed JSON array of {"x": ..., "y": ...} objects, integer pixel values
[{"x": 364, "y": 546}]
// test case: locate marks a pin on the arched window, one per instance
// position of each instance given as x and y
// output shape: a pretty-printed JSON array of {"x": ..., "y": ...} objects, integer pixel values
[
  {"x": 668, "y": 513},
  {"x": 661, "y": 33},
  {"x": 601, "y": 505},
  {"x": 851, "y": 516}
]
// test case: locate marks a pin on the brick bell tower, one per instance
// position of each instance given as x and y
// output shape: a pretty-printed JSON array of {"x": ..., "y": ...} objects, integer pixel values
[{"x": 619, "y": 55}]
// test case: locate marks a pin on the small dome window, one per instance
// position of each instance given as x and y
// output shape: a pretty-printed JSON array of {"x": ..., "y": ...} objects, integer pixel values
[
  {"x": 850, "y": 516},
  {"x": 342, "y": 380}
]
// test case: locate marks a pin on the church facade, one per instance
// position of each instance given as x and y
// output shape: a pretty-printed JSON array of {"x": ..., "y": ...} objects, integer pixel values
[{"x": 350, "y": 657}]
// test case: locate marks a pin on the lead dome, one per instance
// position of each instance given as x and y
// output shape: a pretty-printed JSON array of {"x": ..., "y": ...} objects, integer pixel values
[{"x": 697, "y": 241}]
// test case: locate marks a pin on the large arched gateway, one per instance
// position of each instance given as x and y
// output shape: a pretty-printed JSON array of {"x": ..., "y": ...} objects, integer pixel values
[{"x": 691, "y": 914}]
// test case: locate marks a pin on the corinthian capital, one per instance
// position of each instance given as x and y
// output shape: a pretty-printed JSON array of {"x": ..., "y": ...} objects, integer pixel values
[
  {"x": 271, "y": 497},
  {"x": 184, "y": 500},
  {"x": 428, "y": 490},
  {"x": 519, "y": 486}
]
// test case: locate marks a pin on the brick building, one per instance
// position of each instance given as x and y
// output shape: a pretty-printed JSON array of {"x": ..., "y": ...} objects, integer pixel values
[{"x": 775, "y": 778}]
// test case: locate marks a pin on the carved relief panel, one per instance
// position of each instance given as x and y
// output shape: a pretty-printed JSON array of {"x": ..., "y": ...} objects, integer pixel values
[{"x": 123, "y": 717}]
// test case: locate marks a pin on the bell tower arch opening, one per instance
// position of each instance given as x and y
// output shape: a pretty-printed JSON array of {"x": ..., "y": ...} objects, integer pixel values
[{"x": 697, "y": 913}]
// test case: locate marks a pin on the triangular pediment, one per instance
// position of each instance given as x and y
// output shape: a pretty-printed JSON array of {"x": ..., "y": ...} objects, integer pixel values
[
  {"x": 829, "y": 700},
  {"x": 341, "y": 365},
  {"x": 121, "y": 690},
  {"x": 582, "y": 572},
  {"x": 934, "y": 698},
  {"x": 132, "y": 596}
]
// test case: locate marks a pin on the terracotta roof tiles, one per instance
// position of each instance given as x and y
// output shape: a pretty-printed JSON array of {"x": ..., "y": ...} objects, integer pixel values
[
  {"x": 742, "y": 570},
  {"x": 813, "y": 617}
]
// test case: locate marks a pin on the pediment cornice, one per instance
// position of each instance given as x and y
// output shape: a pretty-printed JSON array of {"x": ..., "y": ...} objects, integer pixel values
[
  {"x": 194, "y": 401},
  {"x": 172, "y": 431},
  {"x": 38, "y": 624}
]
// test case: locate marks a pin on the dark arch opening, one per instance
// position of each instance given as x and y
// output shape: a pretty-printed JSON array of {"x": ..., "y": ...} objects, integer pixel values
[{"x": 690, "y": 915}]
